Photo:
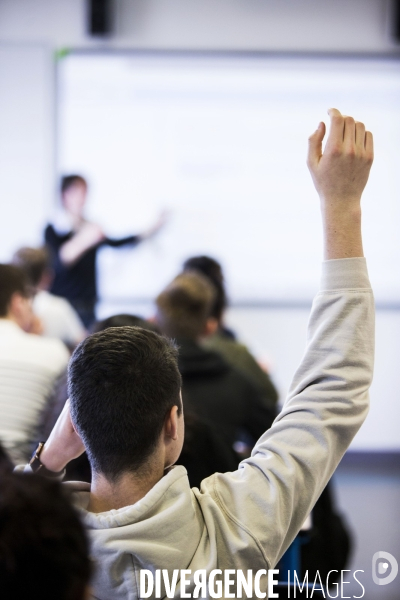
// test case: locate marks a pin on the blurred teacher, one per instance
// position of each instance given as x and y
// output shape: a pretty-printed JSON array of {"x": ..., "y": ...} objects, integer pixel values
[{"x": 73, "y": 242}]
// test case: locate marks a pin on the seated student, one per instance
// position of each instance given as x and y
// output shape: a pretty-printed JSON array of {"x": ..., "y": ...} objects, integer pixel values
[
  {"x": 211, "y": 388},
  {"x": 203, "y": 452},
  {"x": 221, "y": 339},
  {"x": 79, "y": 469},
  {"x": 44, "y": 552},
  {"x": 125, "y": 409},
  {"x": 29, "y": 365},
  {"x": 58, "y": 318},
  {"x": 212, "y": 269}
]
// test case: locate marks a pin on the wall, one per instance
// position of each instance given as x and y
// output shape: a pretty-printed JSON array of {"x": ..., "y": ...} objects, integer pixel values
[
  {"x": 300, "y": 25},
  {"x": 26, "y": 142},
  {"x": 39, "y": 27}
]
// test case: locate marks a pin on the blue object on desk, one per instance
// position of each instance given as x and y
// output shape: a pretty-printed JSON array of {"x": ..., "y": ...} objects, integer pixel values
[{"x": 291, "y": 560}]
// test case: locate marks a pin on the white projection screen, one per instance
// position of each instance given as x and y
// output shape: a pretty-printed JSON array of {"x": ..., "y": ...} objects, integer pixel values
[{"x": 220, "y": 142}]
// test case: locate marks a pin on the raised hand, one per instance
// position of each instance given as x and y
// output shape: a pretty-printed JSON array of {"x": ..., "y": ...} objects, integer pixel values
[
  {"x": 159, "y": 224},
  {"x": 63, "y": 445},
  {"x": 340, "y": 174}
]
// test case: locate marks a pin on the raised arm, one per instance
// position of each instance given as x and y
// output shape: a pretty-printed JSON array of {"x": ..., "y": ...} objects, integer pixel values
[
  {"x": 88, "y": 236},
  {"x": 340, "y": 175},
  {"x": 275, "y": 489}
]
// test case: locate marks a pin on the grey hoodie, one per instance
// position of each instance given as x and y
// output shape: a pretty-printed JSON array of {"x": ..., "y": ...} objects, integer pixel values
[{"x": 248, "y": 518}]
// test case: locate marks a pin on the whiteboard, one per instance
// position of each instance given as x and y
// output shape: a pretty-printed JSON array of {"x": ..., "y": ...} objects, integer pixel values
[{"x": 220, "y": 141}]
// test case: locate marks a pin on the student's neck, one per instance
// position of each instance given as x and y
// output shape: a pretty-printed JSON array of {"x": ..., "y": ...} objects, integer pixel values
[{"x": 127, "y": 490}]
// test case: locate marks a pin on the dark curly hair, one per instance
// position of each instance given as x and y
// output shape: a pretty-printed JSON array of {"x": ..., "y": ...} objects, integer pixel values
[{"x": 44, "y": 552}]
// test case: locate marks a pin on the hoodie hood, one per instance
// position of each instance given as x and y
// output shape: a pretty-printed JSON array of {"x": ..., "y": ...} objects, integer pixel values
[
  {"x": 127, "y": 539},
  {"x": 194, "y": 360}
]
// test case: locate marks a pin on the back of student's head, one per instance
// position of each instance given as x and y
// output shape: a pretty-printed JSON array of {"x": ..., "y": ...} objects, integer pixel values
[
  {"x": 184, "y": 306},
  {"x": 34, "y": 261},
  {"x": 13, "y": 280},
  {"x": 123, "y": 320},
  {"x": 123, "y": 382},
  {"x": 211, "y": 269},
  {"x": 43, "y": 546}
]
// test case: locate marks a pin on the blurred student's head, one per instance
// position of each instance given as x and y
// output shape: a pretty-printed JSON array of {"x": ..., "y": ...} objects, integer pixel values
[
  {"x": 184, "y": 306},
  {"x": 211, "y": 269},
  {"x": 44, "y": 552},
  {"x": 124, "y": 383},
  {"x": 73, "y": 194},
  {"x": 36, "y": 264},
  {"x": 15, "y": 296},
  {"x": 123, "y": 320}
]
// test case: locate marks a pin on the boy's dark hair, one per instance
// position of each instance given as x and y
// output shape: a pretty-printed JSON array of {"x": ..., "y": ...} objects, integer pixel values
[
  {"x": 13, "y": 280},
  {"x": 70, "y": 180},
  {"x": 185, "y": 305},
  {"x": 44, "y": 552},
  {"x": 122, "y": 383},
  {"x": 213, "y": 271},
  {"x": 34, "y": 261}
]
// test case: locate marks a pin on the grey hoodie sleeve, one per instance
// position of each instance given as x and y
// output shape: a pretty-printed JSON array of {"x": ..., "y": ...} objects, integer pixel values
[{"x": 275, "y": 489}]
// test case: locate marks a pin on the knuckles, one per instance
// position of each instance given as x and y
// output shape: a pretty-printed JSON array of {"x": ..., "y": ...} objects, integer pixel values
[
  {"x": 337, "y": 119},
  {"x": 351, "y": 151},
  {"x": 335, "y": 151},
  {"x": 349, "y": 121}
]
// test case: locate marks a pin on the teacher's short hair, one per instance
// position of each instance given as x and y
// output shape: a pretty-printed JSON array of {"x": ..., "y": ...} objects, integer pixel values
[{"x": 69, "y": 181}]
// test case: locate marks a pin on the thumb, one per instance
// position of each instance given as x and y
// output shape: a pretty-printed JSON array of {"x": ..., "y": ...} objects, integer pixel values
[{"x": 315, "y": 145}]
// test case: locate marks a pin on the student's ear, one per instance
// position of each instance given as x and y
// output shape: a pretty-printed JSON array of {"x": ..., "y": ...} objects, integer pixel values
[
  {"x": 211, "y": 326},
  {"x": 171, "y": 424}
]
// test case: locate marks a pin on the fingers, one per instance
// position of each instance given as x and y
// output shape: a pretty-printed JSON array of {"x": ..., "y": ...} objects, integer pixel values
[
  {"x": 315, "y": 145},
  {"x": 360, "y": 135},
  {"x": 349, "y": 134},
  {"x": 336, "y": 131},
  {"x": 369, "y": 145},
  {"x": 356, "y": 139}
]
